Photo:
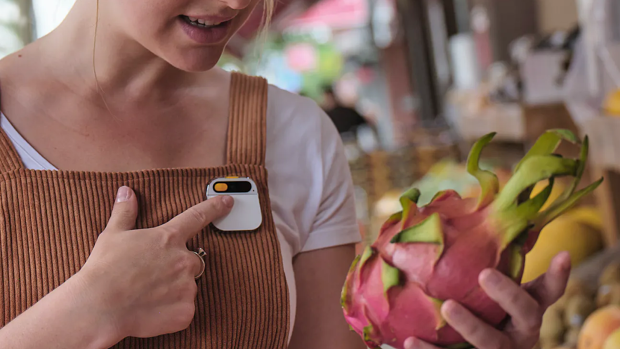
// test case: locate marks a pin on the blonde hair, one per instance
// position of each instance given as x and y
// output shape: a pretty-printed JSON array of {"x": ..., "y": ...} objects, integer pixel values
[
  {"x": 268, "y": 9},
  {"x": 99, "y": 89}
]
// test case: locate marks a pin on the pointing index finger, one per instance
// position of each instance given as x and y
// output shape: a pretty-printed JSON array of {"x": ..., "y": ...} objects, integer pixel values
[
  {"x": 525, "y": 311},
  {"x": 197, "y": 217}
]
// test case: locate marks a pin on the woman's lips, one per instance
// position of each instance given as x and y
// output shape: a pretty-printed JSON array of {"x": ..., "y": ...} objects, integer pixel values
[{"x": 205, "y": 31}]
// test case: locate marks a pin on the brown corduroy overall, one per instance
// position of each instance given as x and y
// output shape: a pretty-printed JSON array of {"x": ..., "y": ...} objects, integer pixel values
[{"x": 50, "y": 220}]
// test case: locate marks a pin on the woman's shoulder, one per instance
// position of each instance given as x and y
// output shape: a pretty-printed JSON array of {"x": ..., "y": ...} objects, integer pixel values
[
  {"x": 22, "y": 73},
  {"x": 302, "y": 142},
  {"x": 297, "y": 113},
  {"x": 287, "y": 111},
  {"x": 19, "y": 62},
  {"x": 284, "y": 101},
  {"x": 297, "y": 124},
  {"x": 17, "y": 77},
  {"x": 9, "y": 65}
]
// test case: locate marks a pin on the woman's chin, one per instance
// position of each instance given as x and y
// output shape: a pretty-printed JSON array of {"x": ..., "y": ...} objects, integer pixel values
[{"x": 195, "y": 62}]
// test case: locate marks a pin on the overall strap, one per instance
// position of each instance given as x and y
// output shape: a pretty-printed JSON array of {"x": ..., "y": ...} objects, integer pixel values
[
  {"x": 247, "y": 123},
  {"x": 9, "y": 158}
]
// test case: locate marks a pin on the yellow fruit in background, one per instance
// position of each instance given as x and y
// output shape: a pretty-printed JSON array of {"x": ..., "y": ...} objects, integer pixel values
[
  {"x": 563, "y": 234},
  {"x": 612, "y": 103},
  {"x": 558, "y": 189},
  {"x": 587, "y": 215},
  {"x": 613, "y": 341},
  {"x": 598, "y": 327}
]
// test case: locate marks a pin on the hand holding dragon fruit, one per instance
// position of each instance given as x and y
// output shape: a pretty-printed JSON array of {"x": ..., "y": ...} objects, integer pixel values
[{"x": 424, "y": 256}]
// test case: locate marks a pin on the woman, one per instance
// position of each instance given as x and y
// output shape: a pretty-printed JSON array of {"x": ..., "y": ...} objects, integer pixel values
[{"x": 148, "y": 112}]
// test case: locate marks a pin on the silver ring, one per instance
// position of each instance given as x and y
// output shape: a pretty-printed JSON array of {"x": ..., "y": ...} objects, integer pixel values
[{"x": 201, "y": 254}]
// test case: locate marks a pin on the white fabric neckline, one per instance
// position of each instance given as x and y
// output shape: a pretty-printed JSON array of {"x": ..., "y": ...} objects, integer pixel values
[{"x": 23, "y": 148}]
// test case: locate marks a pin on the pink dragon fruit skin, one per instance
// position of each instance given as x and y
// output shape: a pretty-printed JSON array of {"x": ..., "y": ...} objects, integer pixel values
[{"x": 426, "y": 255}]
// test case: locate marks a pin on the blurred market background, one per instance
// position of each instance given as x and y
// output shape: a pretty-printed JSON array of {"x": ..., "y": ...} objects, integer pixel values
[{"x": 412, "y": 83}]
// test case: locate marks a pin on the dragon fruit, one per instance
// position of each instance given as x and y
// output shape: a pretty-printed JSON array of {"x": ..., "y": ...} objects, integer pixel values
[{"x": 426, "y": 255}]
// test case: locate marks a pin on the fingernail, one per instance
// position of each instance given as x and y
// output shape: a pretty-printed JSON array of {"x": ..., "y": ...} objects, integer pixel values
[
  {"x": 489, "y": 277},
  {"x": 564, "y": 257},
  {"x": 409, "y": 343},
  {"x": 123, "y": 194},
  {"x": 228, "y": 201}
]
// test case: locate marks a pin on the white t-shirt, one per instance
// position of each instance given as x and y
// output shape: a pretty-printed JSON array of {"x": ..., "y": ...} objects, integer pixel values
[{"x": 310, "y": 185}]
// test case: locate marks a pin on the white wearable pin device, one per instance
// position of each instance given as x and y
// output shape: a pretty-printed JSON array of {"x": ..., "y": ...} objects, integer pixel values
[{"x": 246, "y": 213}]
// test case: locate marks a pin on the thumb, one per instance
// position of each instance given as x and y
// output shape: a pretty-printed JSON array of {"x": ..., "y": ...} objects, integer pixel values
[
  {"x": 549, "y": 287},
  {"x": 125, "y": 210}
]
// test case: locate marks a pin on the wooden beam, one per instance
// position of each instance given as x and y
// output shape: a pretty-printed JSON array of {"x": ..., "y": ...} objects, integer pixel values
[
  {"x": 608, "y": 201},
  {"x": 414, "y": 19}
]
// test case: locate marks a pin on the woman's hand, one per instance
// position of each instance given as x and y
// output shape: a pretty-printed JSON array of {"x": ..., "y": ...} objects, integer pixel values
[
  {"x": 137, "y": 283},
  {"x": 525, "y": 305},
  {"x": 142, "y": 281}
]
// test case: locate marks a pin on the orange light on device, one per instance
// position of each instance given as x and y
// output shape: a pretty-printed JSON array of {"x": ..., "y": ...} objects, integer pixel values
[{"x": 220, "y": 187}]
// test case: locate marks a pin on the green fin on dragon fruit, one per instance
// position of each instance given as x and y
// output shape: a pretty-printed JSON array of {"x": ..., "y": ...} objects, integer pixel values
[{"x": 436, "y": 252}]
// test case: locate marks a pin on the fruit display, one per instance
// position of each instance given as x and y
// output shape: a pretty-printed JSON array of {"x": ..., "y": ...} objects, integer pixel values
[
  {"x": 599, "y": 325},
  {"x": 567, "y": 233},
  {"x": 552, "y": 331},
  {"x": 613, "y": 341},
  {"x": 427, "y": 254},
  {"x": 585, "y": 317}
]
